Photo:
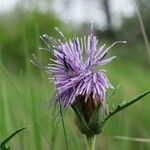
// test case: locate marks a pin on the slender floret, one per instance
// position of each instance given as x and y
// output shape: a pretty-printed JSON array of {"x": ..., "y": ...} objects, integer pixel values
[{"x": 75, "y": 77}]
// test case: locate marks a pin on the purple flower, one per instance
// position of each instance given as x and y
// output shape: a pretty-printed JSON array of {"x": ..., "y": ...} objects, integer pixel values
[{"x": 75, "y": 77}]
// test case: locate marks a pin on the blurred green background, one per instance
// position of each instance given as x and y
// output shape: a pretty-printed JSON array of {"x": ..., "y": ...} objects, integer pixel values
[{"x": 25, "y": 90}]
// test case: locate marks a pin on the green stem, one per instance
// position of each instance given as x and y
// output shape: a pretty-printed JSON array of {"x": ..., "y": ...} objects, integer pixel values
[{"x": 91, "y": 142}]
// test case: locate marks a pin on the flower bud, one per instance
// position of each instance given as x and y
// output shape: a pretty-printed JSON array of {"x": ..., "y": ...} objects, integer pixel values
[{"x": 88, "y": 115}]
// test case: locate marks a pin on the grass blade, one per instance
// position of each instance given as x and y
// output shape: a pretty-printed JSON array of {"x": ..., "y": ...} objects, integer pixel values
[
  {"x": 145, "y": 37},
  {"x": 142, "y": 140},
  {"x": 2, "y": 145}
]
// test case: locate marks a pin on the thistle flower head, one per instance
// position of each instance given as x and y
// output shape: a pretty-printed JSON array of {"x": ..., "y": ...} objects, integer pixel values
[
  {"x": 78, "y": 82},
  {"x": 75, "y": 77}
]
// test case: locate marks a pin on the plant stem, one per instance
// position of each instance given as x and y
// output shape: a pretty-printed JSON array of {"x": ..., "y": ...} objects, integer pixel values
[{"x": 91, "y": 142}]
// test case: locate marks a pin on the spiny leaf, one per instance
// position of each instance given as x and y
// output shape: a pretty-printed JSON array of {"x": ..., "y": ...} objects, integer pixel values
[
  {"x": 124, "y": 105},
  {"x": 3, "y": 144}
]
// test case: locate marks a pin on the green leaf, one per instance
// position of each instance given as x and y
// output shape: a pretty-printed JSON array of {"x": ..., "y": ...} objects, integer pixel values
[
  {"x": 124, "y": 105},
  {"x": 3, "y": 144}
]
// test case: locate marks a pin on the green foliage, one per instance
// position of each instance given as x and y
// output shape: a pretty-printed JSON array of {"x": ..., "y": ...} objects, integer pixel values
[{"x": 21, "y": 35}]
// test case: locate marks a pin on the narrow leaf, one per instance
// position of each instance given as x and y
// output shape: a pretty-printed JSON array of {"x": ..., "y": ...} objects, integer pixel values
[
  {"x": 2, "y": 145},
  {"x": 124, "y": 105}
]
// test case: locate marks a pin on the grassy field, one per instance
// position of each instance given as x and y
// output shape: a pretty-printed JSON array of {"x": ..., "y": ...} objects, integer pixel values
[{"x": 24, "y": 97}]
